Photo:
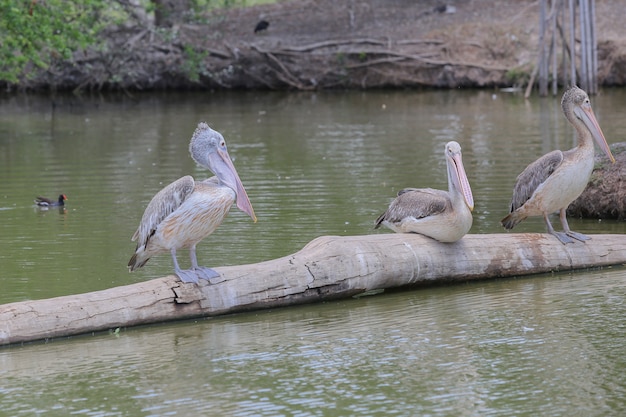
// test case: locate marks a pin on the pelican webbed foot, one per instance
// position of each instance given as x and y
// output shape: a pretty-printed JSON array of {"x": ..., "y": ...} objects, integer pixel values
[
  {"x": 563, "y": 237},
  {"x": 206, "y": 273},
  {"x": 201, "y": 271},
  {"x": 578, "y": 236},
  {"x": 187, "y": 275},
  {"x": 568, "y": 232}
]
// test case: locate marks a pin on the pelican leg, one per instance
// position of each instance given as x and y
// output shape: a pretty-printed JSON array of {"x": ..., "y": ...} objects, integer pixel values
[
  {"x": 563, "y": 238},
  {"x": 575, "y": 235},
  {"x": 201, "y": 271},
  {"x": 185, "y": 275}
]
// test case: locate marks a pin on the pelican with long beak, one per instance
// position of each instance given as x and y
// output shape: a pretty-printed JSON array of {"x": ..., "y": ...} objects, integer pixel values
[
  {"x": 556, "y": 179},
  {"x": 186, "y": 211},
  {"x": 442, "y": 215}
]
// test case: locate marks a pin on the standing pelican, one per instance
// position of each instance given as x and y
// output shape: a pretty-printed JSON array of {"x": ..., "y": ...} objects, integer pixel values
[
  {"x": 444, "y": 216},
  {"x": 187, "y": 211},
  {"x": 556, "y": 179}
]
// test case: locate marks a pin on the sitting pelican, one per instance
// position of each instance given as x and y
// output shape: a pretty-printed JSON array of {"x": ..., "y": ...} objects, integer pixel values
[
  {"x": 444, "y": 216},
  {"x": 186, "y": 211},
  {"x": 556, "y": 179}
]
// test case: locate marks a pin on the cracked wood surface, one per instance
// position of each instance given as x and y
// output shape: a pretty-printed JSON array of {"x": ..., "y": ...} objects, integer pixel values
[{"x": 329, "y": 267}]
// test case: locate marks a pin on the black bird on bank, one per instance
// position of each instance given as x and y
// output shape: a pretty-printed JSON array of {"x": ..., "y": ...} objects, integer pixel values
[
  {"x": 46, "y": 202},
  {"x": 262, "y": 25}
]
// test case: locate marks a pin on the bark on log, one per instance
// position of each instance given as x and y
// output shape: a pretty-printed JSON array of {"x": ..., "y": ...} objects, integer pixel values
[{"x": 329, "y": 267}]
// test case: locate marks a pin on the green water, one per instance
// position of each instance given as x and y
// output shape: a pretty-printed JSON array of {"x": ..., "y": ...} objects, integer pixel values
[{"x": 313, "y": 164}]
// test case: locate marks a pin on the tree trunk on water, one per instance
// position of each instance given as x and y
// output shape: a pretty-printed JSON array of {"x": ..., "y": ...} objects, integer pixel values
[{"x": 329, "y": 267}]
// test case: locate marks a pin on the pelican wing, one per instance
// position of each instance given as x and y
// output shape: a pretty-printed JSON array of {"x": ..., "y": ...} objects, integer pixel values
[
  {"x": 415, "y": 202},
  {"x": 164, "y": 203},
  {"x": 211, "y": 181},
  {"x": 533, "y": 176},
  {"x": 406, "y": 190}
]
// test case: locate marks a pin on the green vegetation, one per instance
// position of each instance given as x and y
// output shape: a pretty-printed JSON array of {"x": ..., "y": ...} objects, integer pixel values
[
  {"x": 193, "y": 63},
  {"x": 214, "y": 4},
  {"x": 518, "y": 76},
  {"x": 35, "y": 33}
]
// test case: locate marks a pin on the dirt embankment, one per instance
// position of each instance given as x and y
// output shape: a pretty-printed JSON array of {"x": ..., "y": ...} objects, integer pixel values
[
  {"x": 605, "y": 195},
  {"x": 319, "y": 44}
]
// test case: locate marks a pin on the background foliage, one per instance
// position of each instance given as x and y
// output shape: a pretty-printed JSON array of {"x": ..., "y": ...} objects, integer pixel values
[{"x": 35, "y": 33}]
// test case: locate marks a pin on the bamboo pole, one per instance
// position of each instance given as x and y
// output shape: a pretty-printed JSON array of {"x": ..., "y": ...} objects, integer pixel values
[
  {"x": 553, "y": 24},
  {"x": 587, "y": 77},
  {"x": 572, "y": 40},
  {"x": 588, "y": 45},
  {"x": 584, "y": 74},
  {"x": 329, "y": 267},
  {"x": 543, "y": 60},
  {"x": 594, "y": 47}
]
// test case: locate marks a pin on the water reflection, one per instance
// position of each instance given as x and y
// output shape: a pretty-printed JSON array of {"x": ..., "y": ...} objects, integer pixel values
[
  {"x": 313, "y": 164},
  {"x": 538, "y": 346}
]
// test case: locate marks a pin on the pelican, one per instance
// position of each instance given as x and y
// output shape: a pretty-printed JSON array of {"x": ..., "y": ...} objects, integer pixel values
[
  {"x": 556, "y": 179},
  {"x": 186, "y": 211},
  {"x": 444, "y": 216}
]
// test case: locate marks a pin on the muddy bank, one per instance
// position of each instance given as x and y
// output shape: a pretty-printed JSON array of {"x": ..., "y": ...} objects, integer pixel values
[
  {"x": 605, "y": 195},
  {"x": 325, "y": 44}
]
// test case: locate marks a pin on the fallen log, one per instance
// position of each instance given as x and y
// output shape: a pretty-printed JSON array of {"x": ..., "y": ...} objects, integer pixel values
[{"x": 329, "y": 267}]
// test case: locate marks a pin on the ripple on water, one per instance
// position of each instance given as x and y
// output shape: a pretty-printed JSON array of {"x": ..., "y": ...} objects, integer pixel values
[{"x": 313, "y": 164}]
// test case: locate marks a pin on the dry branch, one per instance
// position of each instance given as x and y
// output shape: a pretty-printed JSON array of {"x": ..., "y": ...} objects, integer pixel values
[
  {"x": 420, "y": 41},
  {"x": 332, "y": 43},
  {"x": 286, "y": 75},
  {"x": 387, "y": 57}
]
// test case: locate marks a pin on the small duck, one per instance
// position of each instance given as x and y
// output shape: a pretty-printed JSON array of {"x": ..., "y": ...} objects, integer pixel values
[{"x": 46, "y": 202}]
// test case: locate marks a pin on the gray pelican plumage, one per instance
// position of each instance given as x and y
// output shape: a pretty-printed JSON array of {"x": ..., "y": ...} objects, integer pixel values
[
  {"x": 556, "y": 179},
  {"x": 186, "y": 211},
  {"x": 442, "y": 215}
]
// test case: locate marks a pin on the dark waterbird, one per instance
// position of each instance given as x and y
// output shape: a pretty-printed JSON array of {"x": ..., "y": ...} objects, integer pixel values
[
  {"x": 262, "y": 25},
  {"x": 46, "y": 202}
]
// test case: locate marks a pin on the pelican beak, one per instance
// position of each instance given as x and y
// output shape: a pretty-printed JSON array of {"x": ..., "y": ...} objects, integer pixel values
[
  {"x": 459, "y": 172},
  {"x": 585, "y": 113},
  {"x": 227, "y": 174}
]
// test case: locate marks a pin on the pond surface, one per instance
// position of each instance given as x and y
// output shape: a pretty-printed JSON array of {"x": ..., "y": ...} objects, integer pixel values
[{"x": 313, "y": 164}]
